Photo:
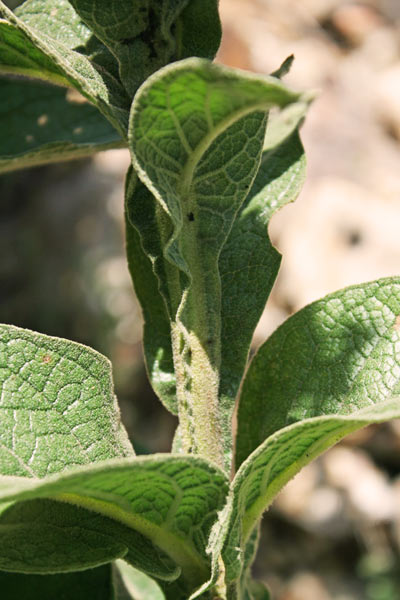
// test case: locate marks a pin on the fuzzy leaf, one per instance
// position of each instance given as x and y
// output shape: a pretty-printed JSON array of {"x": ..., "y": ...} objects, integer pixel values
[
  {"x": 44, "y": 537},
  {"x": 331, "y": 369},
  {"x": 246, "y": 276},
  {"x": 140, "y": 207},
  {"x": 171, "y": 501},
  {"x": 336, "y": 355},
  {"x": 95, "y": 584},
  {"x": 249, "y": 264},
  {"x": 42, "y": 123},
  {"x": 146, "y": 35},
  {"x": 57, "y": 405},
  {"x": 61, "y": 22},
  {"x": 282, "y": 455},
  {"x": 199, "y": 29},
  {"x": 196, "y": 135},
  {"x": 43, "y": 53}
]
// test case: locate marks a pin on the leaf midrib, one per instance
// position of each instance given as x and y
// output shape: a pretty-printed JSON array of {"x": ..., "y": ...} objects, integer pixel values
[
  {"x": 194, "y": 568},
  {"x": 253, "y": 514},
  {"x": 195, "y": 157}
]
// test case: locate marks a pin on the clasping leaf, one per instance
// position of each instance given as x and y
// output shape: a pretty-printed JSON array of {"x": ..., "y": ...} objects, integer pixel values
[{"x": 196, "y": 137}]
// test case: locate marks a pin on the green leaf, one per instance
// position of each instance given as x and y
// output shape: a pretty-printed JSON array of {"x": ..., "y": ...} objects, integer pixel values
[
  {"x": 277, "y": 460},
  {"x": 337, "y": 355},
  {"x": 141, "y": 208},
  {"x": 43, "y": 53},
  {"x": 256, "y": 591},
  {"x": 42, "y": 536},
  {"x": 42, "y": 123},
  {"x": 329, "y": 370},
  {"x": 95, "y": 584},
  {"x": 284, "y": 68},
  {"x": 196, "y": 134},
  {"x": 278, "y": 181},
  {"x": 138, "y": 585},
  {"x": 283, "y": 124},
  {"x": 199, "y": 28},
  {"x": 146, "y": 35},
  {"x": 45, "y": 537},
  {"x": 61, "y": 22},
  {"x": 249, "y": 263},
  {"x": 19, "y": 56},
  {"x": 57, "y": 406},
  {"x": 172, "y": 501}
]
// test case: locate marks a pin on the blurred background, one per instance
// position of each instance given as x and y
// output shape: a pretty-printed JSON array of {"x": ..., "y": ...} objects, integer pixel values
[{"x": 334, "y": 532}]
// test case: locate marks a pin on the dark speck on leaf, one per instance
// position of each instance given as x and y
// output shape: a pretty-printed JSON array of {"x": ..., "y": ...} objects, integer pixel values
[{"x": 191, "y": 216}]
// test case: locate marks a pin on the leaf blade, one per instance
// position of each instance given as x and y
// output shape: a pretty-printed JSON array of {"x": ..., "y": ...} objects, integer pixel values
[
  {"x": 41, "y": 124},
  {"x": 324, "y": 359},
  {"x": 93, "y": 583},
  {"x": 42, "y": 536},
  {"x": 143, "y": 261},
  {"x": 55, "y": 61},
  {"x": 142, "y": 494},
  {"x": 57, "y": 404},
  {"x": 329, "y": 370},
  {"x": 263, "y": 474},
  {"x": 248, "y": 275},
  {"x": 196, "y": 135},
  {"x": 137, "y": 584},
  {"x": 145, "y": 36}
]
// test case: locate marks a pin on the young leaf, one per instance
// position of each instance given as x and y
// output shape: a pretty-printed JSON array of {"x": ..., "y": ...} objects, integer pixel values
[
  {"x": 60, "y": 21},
  {"x": 57, "y": 405},
  {"x": 42, "y": 124},
  {"x": 196, "y": 134},
  {"x": 277, "y": 460},
  {"x": 39, "y": 53},
  {"x": 18, "y": 56},
  {"x": 338, "y": 358},
  {"x": 278, "y": 181},
  {"x": 146, "y": 35},
  {"x": 249, "y": 264},
  {"x": 95, "y": 584},
  {"x": 140, "y": 207},
  {"x": 198, "y": 30},
  {"x": 337, "y": 355},
  {"x": 44, "y": 536},
  {"x": 172, "y": 501}
]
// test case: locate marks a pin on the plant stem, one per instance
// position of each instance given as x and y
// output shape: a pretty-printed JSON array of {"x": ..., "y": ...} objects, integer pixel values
[{"x": 197, "y": 354}]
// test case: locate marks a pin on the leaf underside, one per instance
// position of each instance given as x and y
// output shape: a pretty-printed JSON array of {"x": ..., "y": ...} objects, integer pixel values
[
  {"x": 95, "y": 584},
  {"x": 43, "y": 123},
  {"x": 172, "y": 502},
  {"x": 53, "y": 53},
  {"x": 196, "y": 135},
  {"x": 329, "y": 370},
  {"x": 277, "y": 460},
  {"x": 138, "y": 586}
]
